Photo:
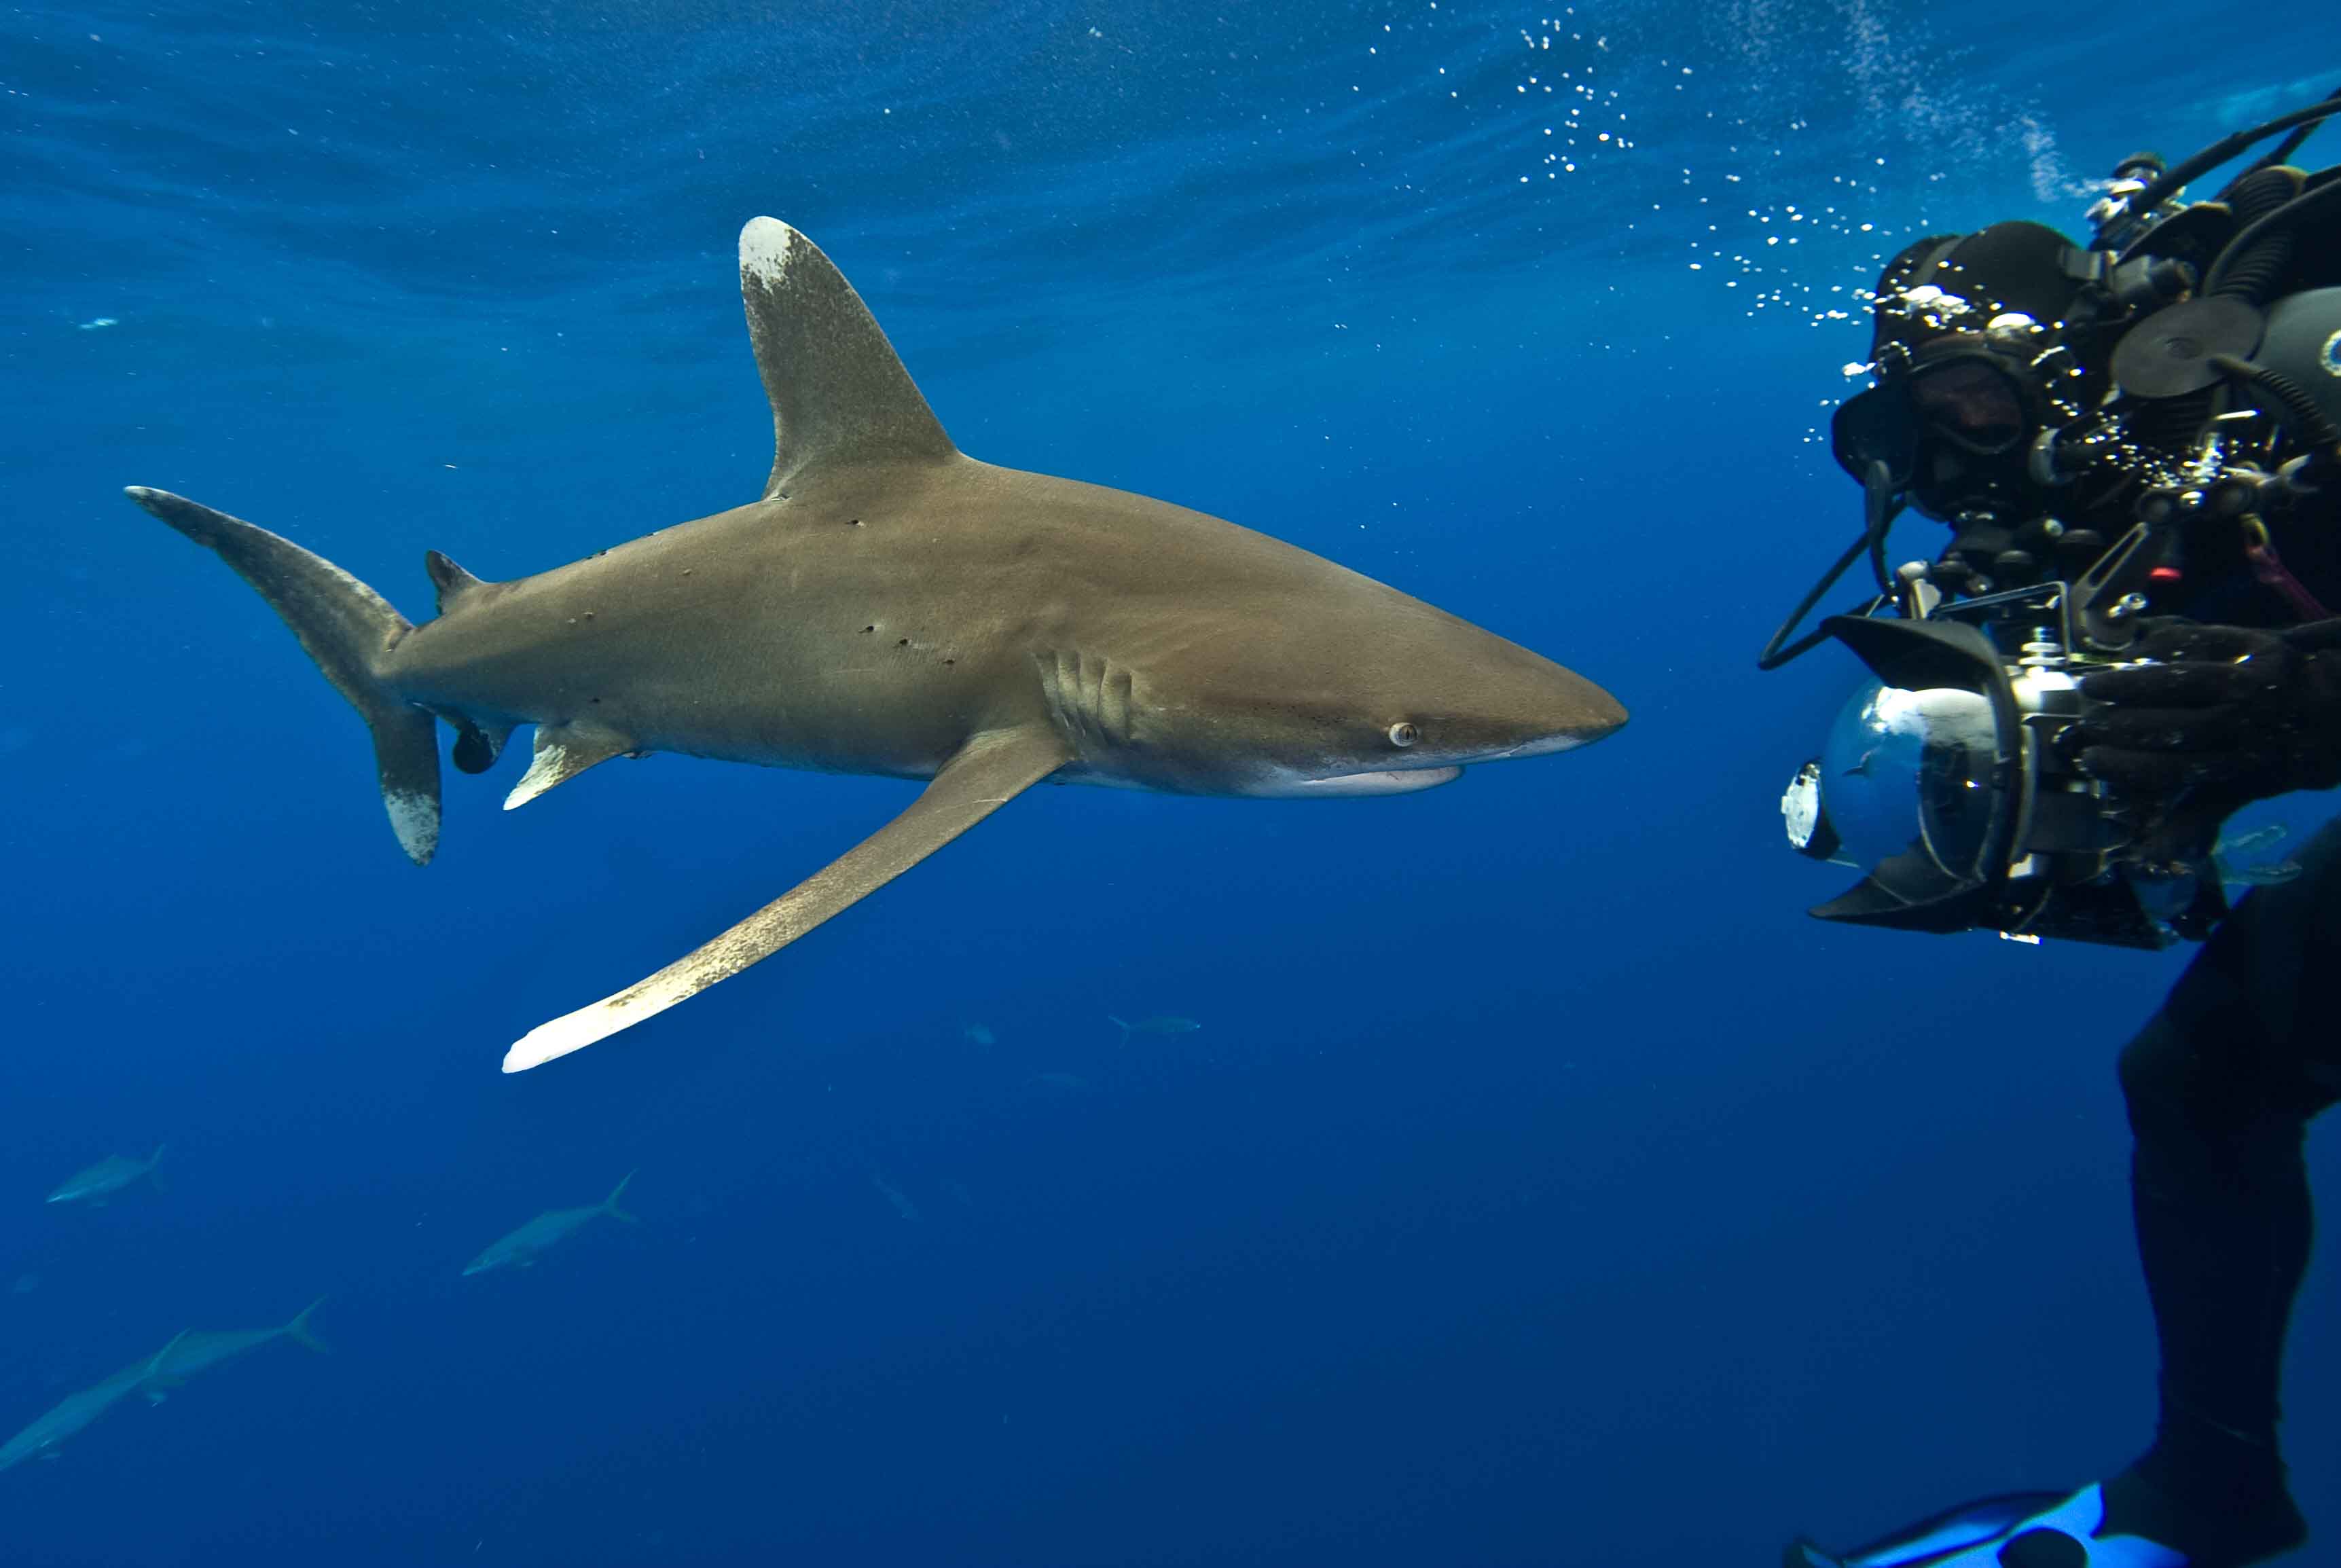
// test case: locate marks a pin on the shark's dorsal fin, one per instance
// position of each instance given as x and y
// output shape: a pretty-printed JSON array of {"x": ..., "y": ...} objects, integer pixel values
[
  {"x": 454, "y": 583},
  {"x": 839, "y": 395},
  {"x": 562, "y": 752},
  {"x": 155, "y": 1365}
]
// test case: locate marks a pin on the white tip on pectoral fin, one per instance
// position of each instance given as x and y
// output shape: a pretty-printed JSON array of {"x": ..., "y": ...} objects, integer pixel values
[
  {"x": 575, "y": 1031},
  {"x": 990, "y": 769}
]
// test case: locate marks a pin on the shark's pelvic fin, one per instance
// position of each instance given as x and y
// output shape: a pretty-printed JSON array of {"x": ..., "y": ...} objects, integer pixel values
[
  {"x": 454, "y": 583},
  {"x": 347, "y": 628},
  {"x": 562, "y": 752},
  {"x": 839, "y": 395},
  {"x": 989, "y": 771}
]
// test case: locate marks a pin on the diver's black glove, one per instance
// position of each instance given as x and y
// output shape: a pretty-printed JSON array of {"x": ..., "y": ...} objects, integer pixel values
[{"x": 2233, "y": 710}]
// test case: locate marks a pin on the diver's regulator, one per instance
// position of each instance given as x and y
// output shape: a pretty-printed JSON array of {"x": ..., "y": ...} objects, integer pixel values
[{"x": 2027, "y": 389}]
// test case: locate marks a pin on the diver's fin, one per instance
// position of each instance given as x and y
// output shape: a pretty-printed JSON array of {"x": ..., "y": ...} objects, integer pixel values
[
  {"x": 1970, "y": 1527},
  {"x": 455, "y": 584},
  {"x": 839, "y": 395},
  {"x": 348, "y": 629},
  {"x": 991, "y": 769},
  {"x": 609, "y": 1204},
  {"x": 562, "y": 752},
  {"x": 298, "y": 1329}
]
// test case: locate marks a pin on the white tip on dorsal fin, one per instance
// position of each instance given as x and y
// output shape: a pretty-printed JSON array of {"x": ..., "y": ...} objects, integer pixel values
[
  {"x": 839, "y": 392},
  {"x": 562, "y": 752}
]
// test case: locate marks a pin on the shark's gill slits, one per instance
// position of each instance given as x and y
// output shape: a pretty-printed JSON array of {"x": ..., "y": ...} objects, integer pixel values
[{"x": 1092, "y": 698}]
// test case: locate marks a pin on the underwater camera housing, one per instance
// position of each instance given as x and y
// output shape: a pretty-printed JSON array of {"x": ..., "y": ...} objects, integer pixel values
[{"x": 1948, "y": 778}]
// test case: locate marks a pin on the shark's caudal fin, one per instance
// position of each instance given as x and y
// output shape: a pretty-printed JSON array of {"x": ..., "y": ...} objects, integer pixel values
[
  {"x": 153, "y": 1167},
  {"x": 839, "y": 395},
  {"x": 1118, "y": 1024},
  {"x": 298, "y": 1332},
  {"x": 609, "y": 1204},
  {"x": 989, "y": 771},
  {"x": 347, "y": 628}
]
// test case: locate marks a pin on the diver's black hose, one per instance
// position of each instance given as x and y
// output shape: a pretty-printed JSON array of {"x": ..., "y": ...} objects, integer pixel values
[
  {"x": 2250, "y": 273},
  {"x": 2211, "y": 157},
  {"x": 2284, "y": 218},
  {"x": 1774, "y": 656},
  {"x": 2301, "y": 415},
  {"x": 2282, "y": 153},
  {"x": 1878, "y": 511}
]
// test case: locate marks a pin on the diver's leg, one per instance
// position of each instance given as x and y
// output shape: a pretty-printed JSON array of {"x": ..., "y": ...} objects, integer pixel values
[{"x": 2221, "y": 1084}]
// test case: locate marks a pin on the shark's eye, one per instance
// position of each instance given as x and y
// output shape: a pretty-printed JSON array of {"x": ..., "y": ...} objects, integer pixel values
[{"x": 1404, "y": 734}]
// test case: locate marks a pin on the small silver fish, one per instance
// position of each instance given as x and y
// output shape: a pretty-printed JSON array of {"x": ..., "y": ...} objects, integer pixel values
[
  {"x": 523, "y": 1248},
  {"x": 109, "y": 1175},
  {"x": 1162, "y": 1024}
]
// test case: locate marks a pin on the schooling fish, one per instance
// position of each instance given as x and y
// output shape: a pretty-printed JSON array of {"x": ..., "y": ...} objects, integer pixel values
[
  {"x": 548, "y": 1230},
  {"x": 1159, "y": 1025},
  {"x": 75, "y": 1411},
  {"x": 107, "y": 1177},
  {"x": 201, "y": 1350}
]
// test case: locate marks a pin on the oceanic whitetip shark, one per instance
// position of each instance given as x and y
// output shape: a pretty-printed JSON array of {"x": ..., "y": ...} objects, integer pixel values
[{"x": 889, "y": 605}]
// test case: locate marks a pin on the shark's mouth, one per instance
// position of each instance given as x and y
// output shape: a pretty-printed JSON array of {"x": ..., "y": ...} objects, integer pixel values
[{"x": 1383, "y": 782}]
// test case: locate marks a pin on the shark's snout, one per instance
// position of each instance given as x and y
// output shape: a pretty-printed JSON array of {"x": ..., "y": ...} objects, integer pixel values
[
  {"x": 1560, "y": 712},
  {"x": 1585, "y": 715}
]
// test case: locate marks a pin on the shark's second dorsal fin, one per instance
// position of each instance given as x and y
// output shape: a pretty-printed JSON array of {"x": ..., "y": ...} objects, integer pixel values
[
  {"x": 454, "y": 583},
  {"x": 839, "y": 395},
  {"x": 562, "y": 752}
]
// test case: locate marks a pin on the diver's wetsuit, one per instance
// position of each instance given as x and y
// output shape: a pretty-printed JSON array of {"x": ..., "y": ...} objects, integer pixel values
[
  {"x": 2221, "y": 1084},
  {"x": 2181, "y": 374}
]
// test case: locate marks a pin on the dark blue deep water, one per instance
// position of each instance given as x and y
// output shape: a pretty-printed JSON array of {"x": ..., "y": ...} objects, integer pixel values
[{"x": 1542, "y": 1186}]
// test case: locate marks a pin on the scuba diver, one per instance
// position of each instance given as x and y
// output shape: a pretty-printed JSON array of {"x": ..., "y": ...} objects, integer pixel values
[{"x": 2133, "y": 630}]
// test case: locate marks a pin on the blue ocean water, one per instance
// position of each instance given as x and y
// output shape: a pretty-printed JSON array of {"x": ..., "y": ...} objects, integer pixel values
[{"x": 1541, "y": 1187}]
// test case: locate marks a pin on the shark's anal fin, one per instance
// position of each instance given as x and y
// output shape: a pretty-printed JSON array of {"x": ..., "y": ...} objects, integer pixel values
[
  {"x": 991, "y": 769},
  {"x": 562, "y": 752}
]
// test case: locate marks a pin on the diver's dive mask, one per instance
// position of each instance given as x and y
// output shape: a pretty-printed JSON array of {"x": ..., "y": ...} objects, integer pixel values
[{"x": 1953, "y": 423}]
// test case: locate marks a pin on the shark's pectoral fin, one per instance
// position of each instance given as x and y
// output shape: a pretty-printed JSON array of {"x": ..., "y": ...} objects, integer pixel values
[
  {"x": 562, "y": 752},
  {"x": 989, "y": 771}
]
